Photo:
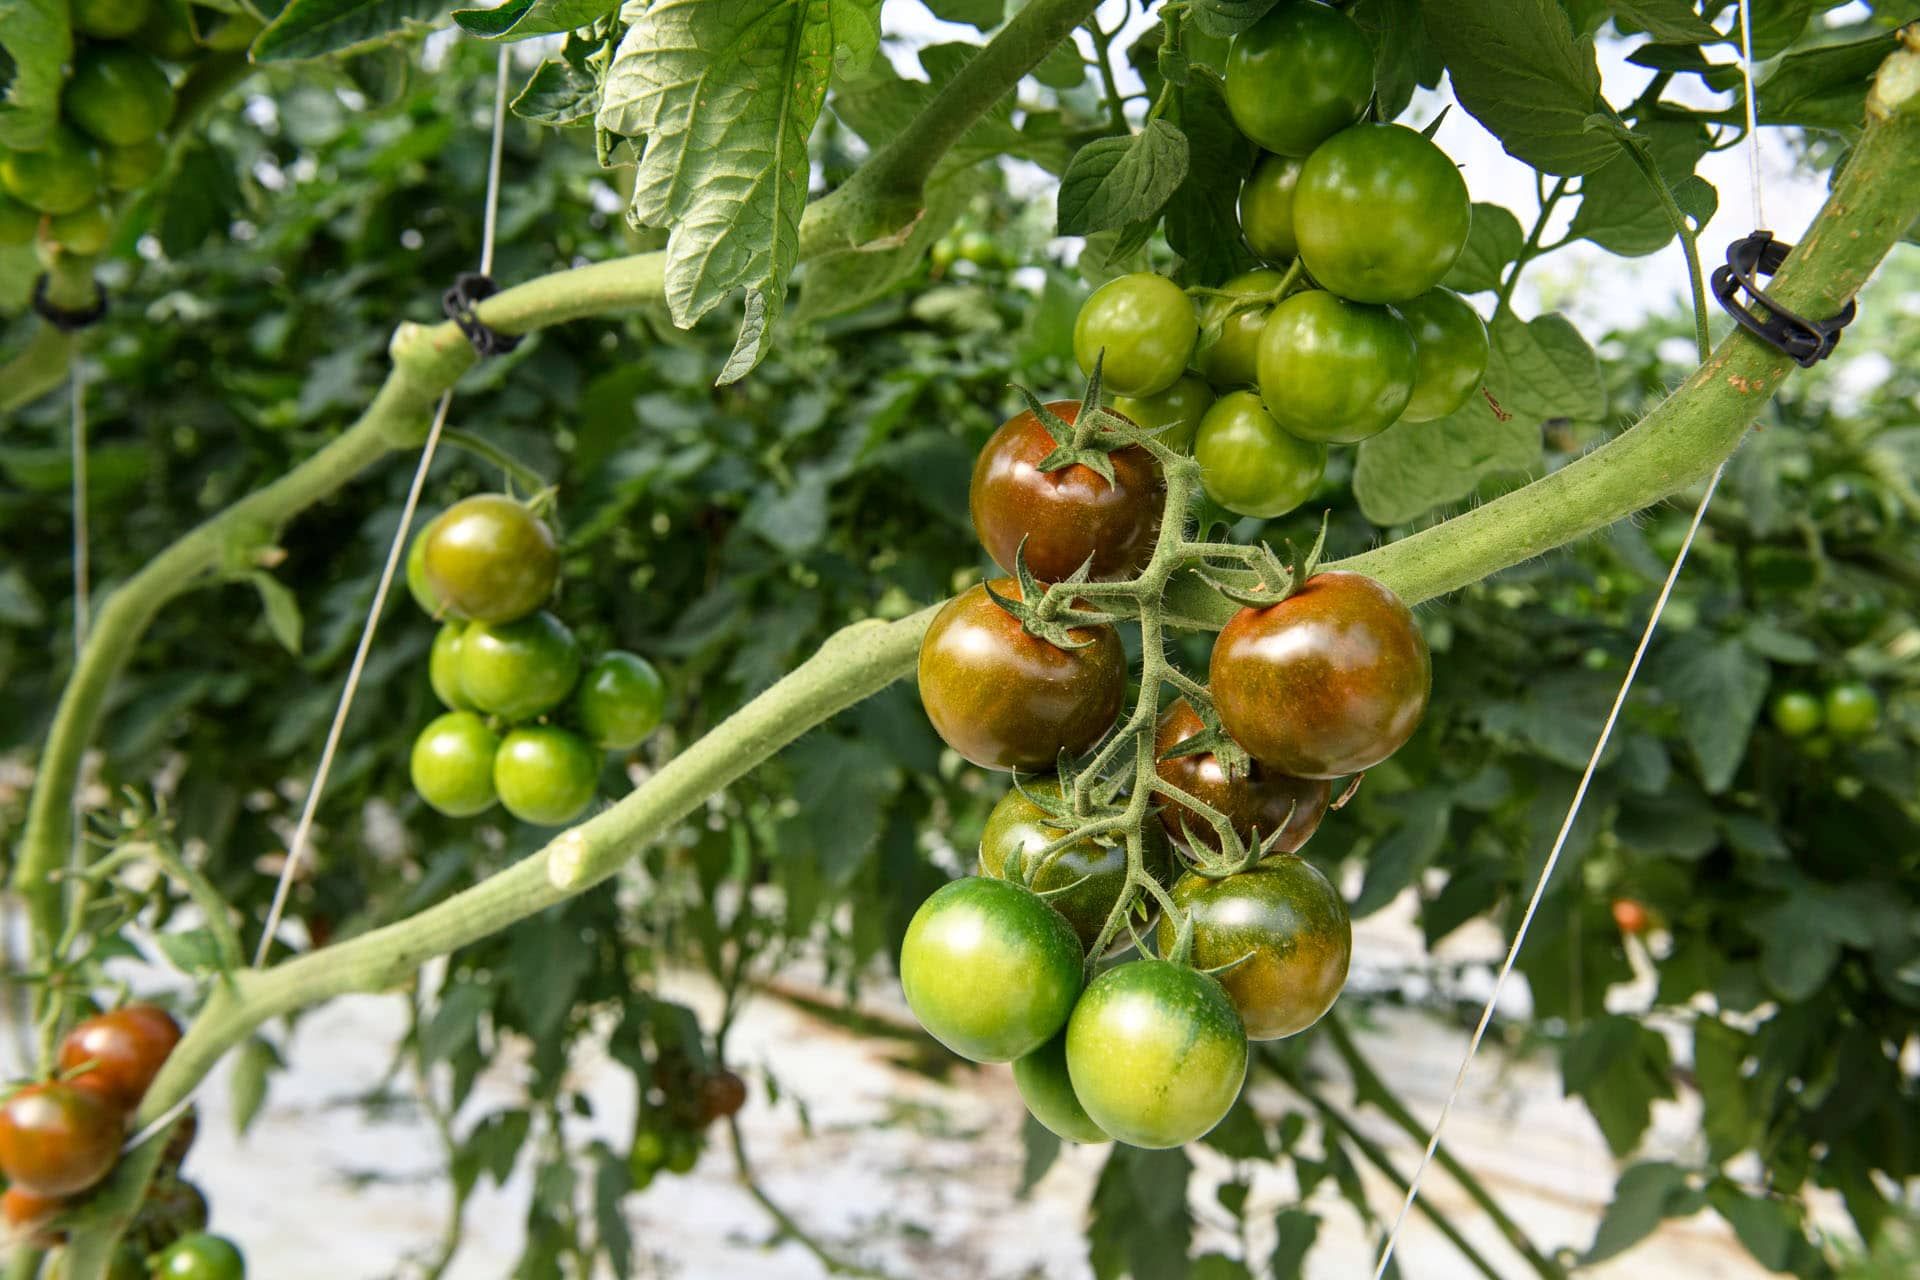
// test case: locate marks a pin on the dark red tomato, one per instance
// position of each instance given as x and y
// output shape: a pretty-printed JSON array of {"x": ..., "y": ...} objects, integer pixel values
[
  {"x": 1281, "y": 931},
  {"x": 1082, "y": 881},
  {"x": 722, "y": 1095},
  {"x": 1299, "y": 75},
  {"x": 989, "y": 969},
  {"x": 1266, "y": 208},
  {"x": 1450, "y": 347},
  {"x": 1174, "y": 413},
  {"x": 121, "y": 1051},
  {"x": 1044, "y": 1086},
  {"x": 1231, "y": 357},
  {"x": 57, "y": 1139},
  {"x": 1258, "y": 803},
  {"x": 491, "y": 559},
  {"x": 1065, "y": 515},
  {"x": 1629, "y": 916},
  {"x": 27, "y": 1216},
  {"x": 1006, "y": 699},
  {"x": 1381, "y": 213},
  {"x": 1155, "y": 1053},
  {"x": 201, "y": 1257},
  {"x": 1335, "y": 371},
  {"x": 1329, "y": 682}
]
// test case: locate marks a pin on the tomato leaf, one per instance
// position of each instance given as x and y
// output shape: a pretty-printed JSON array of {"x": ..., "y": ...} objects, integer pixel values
[
  {"x": 1717, "y": 686},
  {"x": 1040, "y": 1147},
  {"x": 283, "y": 610},
  {"x": 1294, "y": 1234},
  {"x": 1203, "y": 214},
  {"x": 1543, "y": 369},
  {"x": 1518, "y": 69},
  {"x": 1671, "y": 21},
  {"x": 1823, "y": 88},
  {"x": 983, "y": 15},
  {"x": 35, "y": 44},
  {"x": 1619, "y": 209},
  {"x": 1113, "y": 182},
  {"x": 726, "y": 97},
  {"x": 1494, "y": 240},
  {"x": 1413, "y": 467},
  {"x": 1402, "y": 58},
  {"x": 558, "y": 94},
  {"x": 1228, "y": 17},
  {"x": 525, "y": 19},
  {"x": 316, "y": 28},
  {"x": 1619, "y": 1068},
  {"x": 1645, "y": 1194},
  {"x": 1768, "y": 1228},
  {"x": 257, "y": 1057}
]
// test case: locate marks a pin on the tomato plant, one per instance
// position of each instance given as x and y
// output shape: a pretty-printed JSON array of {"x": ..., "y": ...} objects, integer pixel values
[
  {"x": 1083, "y": 880},
  {"x": 1380, "y": 213},
  {"x": 1229, "y": 355},
  {"x": 1174, "y": 414},
  {"x": 1299, "y": 75},
  {"x": 1266, "y": 208},
  {"x": 1249, "y": 464},
  {"x": 545, "y": 774},
  {"x": 452, "y": 764},
  {"x": 489, "y": 559},
  {"x": 519, "y": 669},
  {"x": 1046, "y": 1088},
  {"x": 1258, "y": 801},
  {"x": 201, "y": 1257}
]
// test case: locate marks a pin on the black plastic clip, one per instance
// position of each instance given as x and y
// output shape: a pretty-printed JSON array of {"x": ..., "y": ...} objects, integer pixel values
[
  {"x": 62, "y": 319},
  {"x": 470, "y": 288},
  {"x": 1807, "y": 341}
]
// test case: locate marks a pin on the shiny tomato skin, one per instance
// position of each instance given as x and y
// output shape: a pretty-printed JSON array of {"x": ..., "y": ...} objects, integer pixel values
[
  {"x": 126, "y": 1048},
  {"x": 451, "y": 764},
  {"x": 443, "y": 667},
  {"x": 57, "y": 1139},
  {"x": 519, "y": 669},
  {"x": 1005, "y": 699},
  {"x": 1335, "y": 371},
  {"x": 1381, "y": 213},
  {"x": 1327, "y": 683},
  {"x": 1450, "y": 352},
  {"x": 545, "y": 775},
  {"x": 1797, "y": 713},
  {"x": 1258, "y": 803},
  {"x": 1232, "y": 359},
  {"x": 117, "y": 95},
  {"x": 59, "y": 178},
  {"x": 417, "y": 584},
  {"x": 1852, "y": 710},
  {"x": 491, "y": 559},
  {"x": 1018, "y": 829},
  {"x": 1068, "y": 514},
  {"x": 1041, "y": 1077},
  {"x": 1156, "y": 1053},
  {"x": 1174, "y": 413},
  {"x": 1284, "y": 931},
  {"x": 1142, "y": 328},
  {"x": 1299, "y": 75},
  {"x": 1266, "y": 208},
  {"x": 620, "y": 700},
  {"x": 1249, "y": 465},
  {"x": 989, "y": 969},
  {"x": 201, "y": 1257}
]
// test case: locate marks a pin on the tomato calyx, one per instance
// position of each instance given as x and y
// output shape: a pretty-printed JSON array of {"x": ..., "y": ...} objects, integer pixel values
[
  {"x": 1053, "y": 616},
  {"x": 1266, "y": 579}
]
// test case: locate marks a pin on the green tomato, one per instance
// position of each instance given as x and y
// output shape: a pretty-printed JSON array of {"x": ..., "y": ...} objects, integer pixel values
[
  {"x": 1175, "y": 413},
  {"x": 491, "y": 559},
  {"x": 168, "y": 33},
  {"x": 1298, "y": 76},
  {"x": 1249, "y": 465},
  {"x": 419, "y": 586},
  {"x": 1333, "y": 370},
  {"x": 1041, "y": 1077},
  {"x": 107, "y": 19},
  {"x": 18, "y": 224},
  {"x": 452, "y": 764},
  {"x": 1145, "y": 326},
  {"x": 59, "y": 178},
  {"x": 132, "y": 167},
  {"x": 546, "y": 775},
  {"x": 989, "y": 969},
  {"x": 1156, "y": 1053},
  {"x": 648, "y": 1154},
  {"x": 443, "y": 667},
  {"x": 1852, "y": 710},
  {"x": 519, "y": 670},
  {"x": 1450, "y": 348},
  {"x": 683, "y": 1151},
  {"x": 944, "y": 252},
  {"x": 620, "y": 700},
  {"x": 979, "y": 248},
  {"x": 1230, "y": 358},
  {"x": 86, "y": 231},
  {"x": 1797, "y": 714},
  {"x": 201, "y": 1257},
  {"x": 1266, "y": 208},
  {"x": 1381, "y": 213},
  {"x": 117, "y": 95}
]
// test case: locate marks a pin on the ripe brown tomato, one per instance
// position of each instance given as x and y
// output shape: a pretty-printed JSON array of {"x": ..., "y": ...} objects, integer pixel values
[
  {"x": 722, "y": 1095},
  {"x": 121, "y": 1050},
  {"x": 1328, "y": 682},
  {"x": 1065, "y": 515},
  {"x": 27, "y": 1215},
  {"x": 57, "y": 1139},
  {"x": 1006, "y": 699},
  {"x": 1258, "y": 803}
]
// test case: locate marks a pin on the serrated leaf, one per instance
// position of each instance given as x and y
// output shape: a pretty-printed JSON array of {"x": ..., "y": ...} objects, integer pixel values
[
  {"x": 1114, "y": 182},
  {"x": 1543, "y": 369},
  {"x": 282, "y": 608},
  {"x": 1620, "y": 1068},
  {"x": 1413, "y": 467},
  {"x": 726, "y": 97},
  {"x": 1494, "y": 240},
  {"x": 1824, "y": 87},
  {"x": 558, "y": 94},
  {"x": 861, "y": 779},
  {"x": 316, "y": 28},
  {"x": 1672, "y": 21},
  {"x": 1203, "y": 215},
  {"x": 838, "y": 282},
  {"x": 1064, "y": 68},
  {"x": 1392, "y": 27},
  {"x": 525, "y": 19},
  {"x": 248, "y": 1082},
  {"x": 35, "y": 45},
  {"x": 1717, "y": 686},
  {"x": 1619, "y": 209},
  {"x": 1228, "y": 17},
  {"x": 1518, "y": 70}
]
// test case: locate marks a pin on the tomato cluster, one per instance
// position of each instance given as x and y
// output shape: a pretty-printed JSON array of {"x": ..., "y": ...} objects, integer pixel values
[
  {"x": 1849, "y": 709},
  {"x": 117, "y": 103},
  {"x": 684, "y": 1098},
  {"x": 1367, "y": 218},
  {"x": 505, "y": 669}
]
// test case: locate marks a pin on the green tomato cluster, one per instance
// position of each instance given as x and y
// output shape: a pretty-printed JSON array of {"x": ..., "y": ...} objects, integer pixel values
[
  {"x": 1372, "y": 215},
  {"x": 1847, "y": 710},
  {"x": 507, "y": 670}
]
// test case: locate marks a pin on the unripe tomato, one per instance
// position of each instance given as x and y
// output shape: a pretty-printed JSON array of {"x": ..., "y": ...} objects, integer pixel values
[
  {"x": 1174, "y": 413},
  {"x": 1381, "y": 213},
  {"x": 1450, "y": 349},
  {"x": 1629, "y": 916},
  {"x": 117, "y": 95},
  {"x": 1156, "y": 1053},
  {"x": 1282, "y": 930},
  {"x": 130, "y": 168},
  {"x": 18, "y": 224},
  {"x": 1249, "y": 465},
  {"x": 944, "y": 252},
  {"x": 1145, "y": 326},
  {"x": 107, "y": 19},
  {"x": 1083, "y": 881},
  {"x": 1852, "y": 710},
  {"x": 443, "y": 667},
  {"x": 452, "y": 764},
  {"x": 1006, "y": 699},
  {"x": 168, "y": 33},
  {"x": 989, "y": 969},
  {"x": 1797, "y": 714},
  {"x": 521, "y": 669},
  {"x": 1266, "y": 208},
  {"x": 1232, "y": 359},
  {"x": 57, "y": 1139},
  {"x": 1328, "y": 682},
  {"x": 648, "y": 1154},
  {"x": 1257, "y": 803},
  {"x": 1299, "y": 75},
  {"x": 59, "y": 178},
  {"x": 418, "y": 584},
  {"x": 491, "y": 559},
  {"x": 722, "y": 1095},
  {"x": 122, "y": 1051},
  {"x": 1041, "y": 1077},
  {"x": 979, "y": 248},
  {"x": 28, "y": 1215},
  {"x": 620, "y": 700},
  {"x": 683, "y": 1151},
  {"x": 1333, "y": 370},
  {"x": 86, "y": 231},
  {"x": 201, "y": 1257},
  {"x": 1067, "y": 515},
  {"x": 545, "y": 775}
]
